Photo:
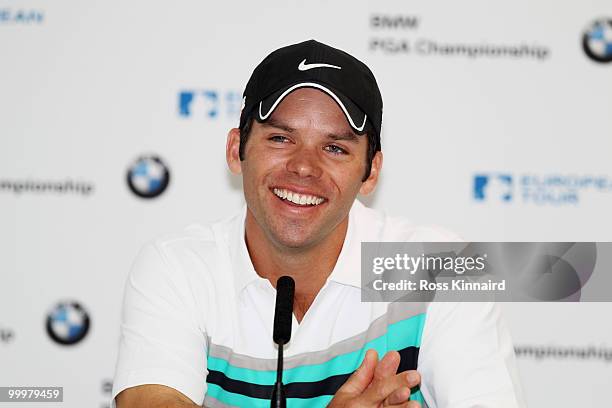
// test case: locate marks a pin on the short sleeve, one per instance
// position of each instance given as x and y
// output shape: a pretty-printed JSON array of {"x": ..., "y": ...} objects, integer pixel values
[
  {"x": 467, "y": 359},
  {"x": 161, "y": 341}
]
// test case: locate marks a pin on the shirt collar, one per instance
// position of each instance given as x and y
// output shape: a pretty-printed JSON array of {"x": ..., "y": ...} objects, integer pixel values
[
  {"x": 244, "y": 272},
  {"x": 347, "y": 270}
]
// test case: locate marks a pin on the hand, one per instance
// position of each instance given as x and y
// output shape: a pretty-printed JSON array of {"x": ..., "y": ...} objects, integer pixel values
[{"x": 375, "y": 384}]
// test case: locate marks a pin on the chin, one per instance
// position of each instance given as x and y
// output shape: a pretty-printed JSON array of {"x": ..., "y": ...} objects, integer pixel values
[{"x": 294, "y": 240}]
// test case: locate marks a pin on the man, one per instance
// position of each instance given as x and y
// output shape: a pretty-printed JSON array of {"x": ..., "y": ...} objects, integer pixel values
[{"x": 199, "y": 305}]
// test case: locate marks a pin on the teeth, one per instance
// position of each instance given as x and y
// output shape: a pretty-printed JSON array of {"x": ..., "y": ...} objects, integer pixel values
[{"x": 301, "y": 199}]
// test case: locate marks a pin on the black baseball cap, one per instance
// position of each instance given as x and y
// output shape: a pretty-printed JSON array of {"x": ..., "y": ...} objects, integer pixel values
[{"x": 315, "y": 65}]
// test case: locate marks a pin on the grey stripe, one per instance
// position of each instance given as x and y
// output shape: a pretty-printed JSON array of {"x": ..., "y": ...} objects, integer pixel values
[{"x": 395, "y": 312}]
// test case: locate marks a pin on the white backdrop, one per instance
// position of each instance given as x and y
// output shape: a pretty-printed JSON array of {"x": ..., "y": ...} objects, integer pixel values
[{"x": 496, "y": 125}]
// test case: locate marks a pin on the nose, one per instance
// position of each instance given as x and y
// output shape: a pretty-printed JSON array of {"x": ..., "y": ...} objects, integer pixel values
[{"x": 305, "y": 162}]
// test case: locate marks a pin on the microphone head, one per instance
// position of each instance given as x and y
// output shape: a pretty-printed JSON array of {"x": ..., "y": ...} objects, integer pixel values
[{"x": 285, "y": 290}]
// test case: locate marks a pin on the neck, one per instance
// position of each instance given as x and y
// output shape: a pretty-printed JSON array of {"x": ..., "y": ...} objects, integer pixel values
[{"x": 309, "y": 266}]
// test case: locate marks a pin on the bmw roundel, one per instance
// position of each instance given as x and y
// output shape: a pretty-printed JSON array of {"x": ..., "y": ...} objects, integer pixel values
[
  {"x": 597, "y": 40},
  {"x": 67, "y": 323},
  {"x": 148, "y": 176}
]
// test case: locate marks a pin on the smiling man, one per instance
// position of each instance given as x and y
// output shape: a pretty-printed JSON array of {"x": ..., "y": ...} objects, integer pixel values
[{"x": 199, "y": 305}]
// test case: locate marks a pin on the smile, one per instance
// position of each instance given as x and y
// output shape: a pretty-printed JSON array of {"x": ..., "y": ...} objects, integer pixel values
[{"x": 296, "y": 198}]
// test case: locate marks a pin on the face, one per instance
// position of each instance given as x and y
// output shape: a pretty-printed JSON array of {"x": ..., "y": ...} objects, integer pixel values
[{"x": 302, "y": 170}]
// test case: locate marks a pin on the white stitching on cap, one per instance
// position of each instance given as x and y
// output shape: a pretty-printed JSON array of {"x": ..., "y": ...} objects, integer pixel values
[{"x": 321, "y": 87}]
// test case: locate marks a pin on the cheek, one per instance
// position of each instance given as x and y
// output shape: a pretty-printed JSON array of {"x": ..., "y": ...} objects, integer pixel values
[
  {"x": 257, "y": 170},
  {"x": 261, "y": 154},
  {"x": 348, "y": 180},
  {"x": 249, "y": 178}
]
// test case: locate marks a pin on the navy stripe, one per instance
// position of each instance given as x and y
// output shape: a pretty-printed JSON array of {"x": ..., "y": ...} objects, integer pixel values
[
  {"x": 237, "y": 386},
  {"x": 409, "y": 359}
]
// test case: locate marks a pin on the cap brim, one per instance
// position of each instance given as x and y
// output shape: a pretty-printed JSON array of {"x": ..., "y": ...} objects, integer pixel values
[{"x": 355, "y": 116}]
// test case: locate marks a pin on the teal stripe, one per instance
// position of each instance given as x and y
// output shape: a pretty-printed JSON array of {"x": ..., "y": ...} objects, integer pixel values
[
  {"x": 321, "y": 401},
  {"x": 417, "y": 396},
  {"x": 239, "y": 400},
  {"x": 399, "y": 335}
]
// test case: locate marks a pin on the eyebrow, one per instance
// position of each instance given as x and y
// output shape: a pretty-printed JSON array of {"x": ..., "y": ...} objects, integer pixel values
[
  {"x": 277, "y": 124},
  {"x": 348, "y": 136}
]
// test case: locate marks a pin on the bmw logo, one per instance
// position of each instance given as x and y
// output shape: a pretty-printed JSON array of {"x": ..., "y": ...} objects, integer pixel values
[
  {"x": 597, "y": 41},
  {"x": 67, "y": 323},
  {"x": 148, "y": 177}
]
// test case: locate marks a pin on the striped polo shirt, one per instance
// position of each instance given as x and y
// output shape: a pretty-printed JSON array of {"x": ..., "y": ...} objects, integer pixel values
[{"x": 198, "y": 318}]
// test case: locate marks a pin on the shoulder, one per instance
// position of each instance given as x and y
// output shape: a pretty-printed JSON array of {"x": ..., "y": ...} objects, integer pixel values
[
  {"x": 196, "y": 239},
  {"x": 186, "y": 258},
  {"x": 184, "y": 268},
  {"x": 384, "y": 227}
]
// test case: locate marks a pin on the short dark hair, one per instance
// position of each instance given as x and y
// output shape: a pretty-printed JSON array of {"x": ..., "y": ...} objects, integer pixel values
[{"x": 368, "y": 130}]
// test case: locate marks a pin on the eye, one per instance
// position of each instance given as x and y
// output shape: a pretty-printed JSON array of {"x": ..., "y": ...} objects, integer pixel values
[
  {"x": 278, "y": 139},
  {"x": 335, "y": 149}
]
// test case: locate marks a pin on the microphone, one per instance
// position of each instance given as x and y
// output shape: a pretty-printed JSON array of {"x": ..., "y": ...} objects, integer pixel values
[{"x": 283, "y": 313}]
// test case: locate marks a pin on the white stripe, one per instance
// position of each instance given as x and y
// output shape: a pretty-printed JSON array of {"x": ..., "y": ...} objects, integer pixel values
[{"x": 318, "y": 86}]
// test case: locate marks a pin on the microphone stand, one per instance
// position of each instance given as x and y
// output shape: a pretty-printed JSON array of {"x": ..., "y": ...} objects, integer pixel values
[{"x": 279, "y": 400}]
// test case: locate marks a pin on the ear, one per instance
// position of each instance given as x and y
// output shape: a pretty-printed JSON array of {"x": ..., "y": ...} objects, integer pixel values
[
  {"x": 232, "y": 149},
  {"x": 370, "y": 184}
]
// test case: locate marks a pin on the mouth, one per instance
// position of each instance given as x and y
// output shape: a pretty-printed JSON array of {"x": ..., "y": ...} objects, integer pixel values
[{"x": 298, "y": 199}]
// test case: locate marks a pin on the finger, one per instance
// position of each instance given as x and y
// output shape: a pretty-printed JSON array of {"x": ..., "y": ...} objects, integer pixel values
[
  {"x": 362, "y": 377},
  {"x": 381, "y": 389},
  {"x": 413, "y": 378},
  {"x": 388, "y": 365},
  {"x": 407, "y": 404},
  {"x": 397, "y": 397}
]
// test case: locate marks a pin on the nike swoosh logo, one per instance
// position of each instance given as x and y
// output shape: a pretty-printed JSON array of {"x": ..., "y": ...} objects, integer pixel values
[{"x": 305, "y": 67}]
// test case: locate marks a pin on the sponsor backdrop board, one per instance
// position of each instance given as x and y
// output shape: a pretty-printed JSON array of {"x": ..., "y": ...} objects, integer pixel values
[{"x": 496, "y": 125}]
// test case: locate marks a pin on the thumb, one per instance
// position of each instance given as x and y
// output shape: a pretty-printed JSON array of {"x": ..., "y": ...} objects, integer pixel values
[{"x": 362, "y": 377}]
